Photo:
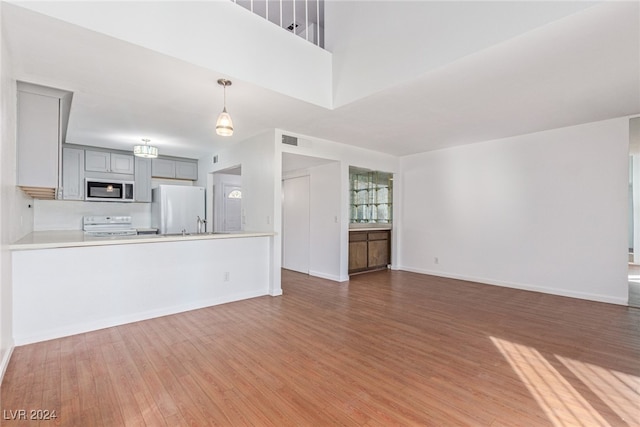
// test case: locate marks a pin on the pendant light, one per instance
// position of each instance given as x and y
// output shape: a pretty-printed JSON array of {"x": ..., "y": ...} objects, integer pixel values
[
  {"x": 145, "y": 150},
  {"x": 224, "y": 125}
]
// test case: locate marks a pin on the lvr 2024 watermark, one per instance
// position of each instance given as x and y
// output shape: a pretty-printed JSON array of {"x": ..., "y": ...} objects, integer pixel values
[{"x": 29, "y": 414}]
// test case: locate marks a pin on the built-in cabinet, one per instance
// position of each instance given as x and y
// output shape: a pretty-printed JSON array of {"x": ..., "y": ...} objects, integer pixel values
[
  {"x": 80, "y": 162},
  {"x": 72, "y": 173},
  {"x": 174, "y": 168},
  {"x": 371, "y": 196},
  {"x": 369, "y": 250},
  {"x": 105, "y": 161},
  {"x": 41, "y": 125}
]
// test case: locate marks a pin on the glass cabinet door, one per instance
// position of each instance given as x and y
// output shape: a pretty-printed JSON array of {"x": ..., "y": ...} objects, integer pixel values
[{"x": 371, "y": 195}]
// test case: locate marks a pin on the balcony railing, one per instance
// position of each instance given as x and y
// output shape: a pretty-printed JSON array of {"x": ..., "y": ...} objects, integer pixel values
[{"x": 304, "y": 18}]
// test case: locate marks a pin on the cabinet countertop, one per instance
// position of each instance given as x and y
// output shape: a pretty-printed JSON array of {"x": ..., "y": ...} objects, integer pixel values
[
  {"x": 77, "y": 238},
  {"x": 370, "y": 229}
]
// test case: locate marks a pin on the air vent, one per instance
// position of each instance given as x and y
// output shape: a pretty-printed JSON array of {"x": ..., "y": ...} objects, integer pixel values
[
  {"x": 215, "y": 159},
  {"x": 289, "y": 140}
]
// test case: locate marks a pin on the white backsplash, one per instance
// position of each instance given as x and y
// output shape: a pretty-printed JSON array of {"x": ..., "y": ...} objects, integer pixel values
[{"x": 67, "y": 214}]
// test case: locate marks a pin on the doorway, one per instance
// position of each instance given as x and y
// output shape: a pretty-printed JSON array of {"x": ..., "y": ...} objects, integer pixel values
[
  {"x": 225, "y": 202},
  {"x": 231, "y": 207},
  {"x": 634, "y": 213},
  {"x": 295, "y": 224}
]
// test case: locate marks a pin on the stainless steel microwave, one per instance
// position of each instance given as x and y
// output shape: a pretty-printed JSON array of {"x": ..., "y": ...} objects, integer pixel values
[{"x": 104, "y": 190}]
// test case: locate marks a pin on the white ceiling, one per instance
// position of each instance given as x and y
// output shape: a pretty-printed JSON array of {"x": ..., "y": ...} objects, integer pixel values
[{"x": 583, "y": 68}]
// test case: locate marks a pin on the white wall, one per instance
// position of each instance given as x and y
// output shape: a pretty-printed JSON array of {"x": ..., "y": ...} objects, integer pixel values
[
  {"x": 16, "y": 218},
  {"x": 261, "y": 175},
  {"x": 545, "y": 211},
  {"x": 67, "y": 214}
]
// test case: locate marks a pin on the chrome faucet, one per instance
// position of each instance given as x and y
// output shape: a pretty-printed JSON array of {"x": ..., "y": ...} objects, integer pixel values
[{"x": 201, "y": 225}]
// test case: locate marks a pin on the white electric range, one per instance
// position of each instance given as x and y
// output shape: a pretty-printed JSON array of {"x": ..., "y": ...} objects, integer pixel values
[{"x": 108, "y": 226}]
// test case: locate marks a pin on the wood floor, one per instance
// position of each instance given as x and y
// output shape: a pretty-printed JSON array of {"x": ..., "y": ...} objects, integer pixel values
[{"x": 387, "y": 348}]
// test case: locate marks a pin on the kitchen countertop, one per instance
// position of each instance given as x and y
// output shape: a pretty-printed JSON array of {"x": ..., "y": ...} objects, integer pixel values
[{"x": 77, "y": 238}]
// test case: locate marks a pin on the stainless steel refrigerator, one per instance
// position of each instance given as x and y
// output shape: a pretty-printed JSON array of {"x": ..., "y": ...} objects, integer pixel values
[{"x": 176, "y": 208}]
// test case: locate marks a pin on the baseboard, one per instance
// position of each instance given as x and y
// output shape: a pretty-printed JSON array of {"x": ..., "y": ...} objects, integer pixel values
[
  {"x": 328, "y": 276},
  {"x": 524, "y": 287},
  {"x": 4, "y": 363},
  {"x": 130, "y": 318}
]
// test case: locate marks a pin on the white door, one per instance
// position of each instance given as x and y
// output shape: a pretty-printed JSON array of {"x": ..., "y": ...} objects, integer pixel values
[
  {"x": 232, "y": 204},
  {"x": 295, "y": 224}
]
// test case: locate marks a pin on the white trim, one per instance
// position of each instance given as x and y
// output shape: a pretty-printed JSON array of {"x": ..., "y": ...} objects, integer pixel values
[
  {"x": 521, "y": 286},
  {"x": 4, "y": 363},
  {"x": 332, "y": 277}
]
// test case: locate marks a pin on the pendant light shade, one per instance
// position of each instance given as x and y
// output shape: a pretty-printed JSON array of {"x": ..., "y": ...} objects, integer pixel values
[
  {"x": 146, "y": 150},
  {"x": 224, "y": 125}
]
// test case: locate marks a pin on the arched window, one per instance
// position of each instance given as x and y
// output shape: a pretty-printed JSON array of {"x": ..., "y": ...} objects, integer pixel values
[{"x": 235, "y": 194}]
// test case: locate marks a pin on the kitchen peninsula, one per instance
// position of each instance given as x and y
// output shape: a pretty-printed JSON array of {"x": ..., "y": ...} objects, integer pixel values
[{"x": 104, "y": 282}]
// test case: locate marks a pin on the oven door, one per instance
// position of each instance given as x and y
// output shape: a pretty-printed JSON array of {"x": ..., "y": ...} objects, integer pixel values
[{"x": 104, "y": 190}]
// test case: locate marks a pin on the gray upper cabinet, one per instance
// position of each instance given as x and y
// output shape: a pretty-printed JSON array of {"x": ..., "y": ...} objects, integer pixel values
[
  {"x": 42, "y": 115},
  {"x": 122, "y": 163},
  {"x": 104, "y": 161},
  {"x": 186, "y": 170},
  {"x": 163, "y": 168},
  {"x": 72, "y": 174},
  {"x": 38, "y": 141},
  {"x": 142, "y": 188},
  {"x": 175, "y": 169}
]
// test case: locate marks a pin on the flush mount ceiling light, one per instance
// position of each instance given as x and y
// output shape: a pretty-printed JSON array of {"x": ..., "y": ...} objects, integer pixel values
[
  {"x": 224, "y": 125},
  {"x": 146, "y": 150}
]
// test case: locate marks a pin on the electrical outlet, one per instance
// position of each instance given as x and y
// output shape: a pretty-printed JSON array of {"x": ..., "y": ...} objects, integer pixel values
[
  {"x": 226, "y": 276},
  {"x": 436, "y": 260}
]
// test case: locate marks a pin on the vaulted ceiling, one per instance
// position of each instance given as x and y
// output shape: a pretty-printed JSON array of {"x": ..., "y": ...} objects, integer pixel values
[{"x": 582, "y": 67}]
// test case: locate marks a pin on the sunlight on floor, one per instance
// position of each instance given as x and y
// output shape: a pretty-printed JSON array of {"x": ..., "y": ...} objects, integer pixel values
[
  {"x": 634, "y": 278},
  {"x": 618, "y": 390},
  {"x": 563, "y": 404}
]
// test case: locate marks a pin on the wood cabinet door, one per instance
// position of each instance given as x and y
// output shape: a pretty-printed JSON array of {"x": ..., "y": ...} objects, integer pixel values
[
  {"x": 357, "y": 256},
  {"x": 378, "y": 253}
]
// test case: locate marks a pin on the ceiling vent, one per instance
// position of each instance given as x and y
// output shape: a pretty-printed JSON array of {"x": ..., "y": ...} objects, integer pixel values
[{"x": 289, "y": 140}]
